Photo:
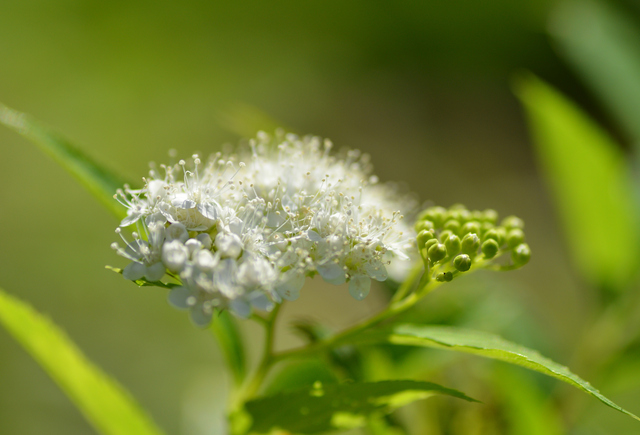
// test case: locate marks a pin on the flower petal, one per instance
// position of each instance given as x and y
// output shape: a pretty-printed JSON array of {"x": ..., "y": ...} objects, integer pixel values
[
  {"x": 359, "y": 286},
  {"x": 134, "y": 271}
]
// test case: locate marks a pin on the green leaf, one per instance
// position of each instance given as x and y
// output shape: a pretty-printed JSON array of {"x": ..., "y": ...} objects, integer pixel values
[
  {"x": 589, "y": 178},
  {"x": 225, "y": 329},
  {"x": 602, "y": 44},
  {"x": 490, "y": 346},
  {"x": 323, "y": 408},
  {"x": 295, "y": 375},
  {"x": 101, "y": 182},
  {"x": 105, "y": 404},
  {"x": 528, "y": 411}
]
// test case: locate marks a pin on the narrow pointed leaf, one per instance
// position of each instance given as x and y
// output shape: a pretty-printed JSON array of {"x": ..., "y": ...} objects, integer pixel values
[
  {"x": 490, "y": 346},
  {"x": 588, "y": 176},
  {"x": 601, "y": 42},
  {"x": 104, "y": 403},
  {"x": 323, "y": 408},
  {"x": 100, "y": 181}
]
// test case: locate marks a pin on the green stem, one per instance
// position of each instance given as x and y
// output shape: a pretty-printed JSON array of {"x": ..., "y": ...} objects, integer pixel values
[
  {"x": 397, "y": 306},
  {"x": 408, "y": 283},
  {"x": 346, "y": 335},
  {"x": 254, "y": 384}
]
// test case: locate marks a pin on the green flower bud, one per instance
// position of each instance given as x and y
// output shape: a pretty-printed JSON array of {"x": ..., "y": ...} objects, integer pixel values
[
  {"x": 444, "y": 276},
  {"x": 470, "y": 244},
  {"x": 477, "y": 216},
  {"x": 423, "y": 225},
  {"x": 430, "y": 243},
  {"x": 424, "y": 236},
  {"x": 490, "y": 248},
  {"x": 435, "y": 215},
  {"x": 458, "y": 213},
  {"x": 470, "y": 227},
  {"x": 462, "y": 262},
  {"x": 437, "y": 252},
  {"x": 502, "y": 235},
  {"x": 486, "y": 226},
  {"x": 511, "y": 222},
  {"x": 521, "y": 254},
  {"x": 464, "y": 215},
  {"x": 444, "y": 236},
  {"x": 490, "y": 216},
  {"x": 453, "y": 244},
  {"x": 515, "y": 237},
  {"x": 452, "y": 225},
  {"x": 491, "y": 234}
]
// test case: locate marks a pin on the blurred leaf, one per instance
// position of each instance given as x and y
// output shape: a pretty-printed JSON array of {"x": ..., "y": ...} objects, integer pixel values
[
  {"x": 589, "y": 179},
  {"x": 528, "y": 410},
  {"x": 105, "y": 404},
  {"x": 101, "y": 182},
  {"x": 490, "y": 346},
  {"x": 225, "y": 329},
  {"x": 299, "y": 374},
  {"x": 323, "y": 408},
  {"x": 602, "y": 44}
]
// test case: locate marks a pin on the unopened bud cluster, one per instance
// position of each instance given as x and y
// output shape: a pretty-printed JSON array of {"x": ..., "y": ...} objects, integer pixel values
[
  {"x": 453, "y": 240},
  {"x": 242, "y": 231}
]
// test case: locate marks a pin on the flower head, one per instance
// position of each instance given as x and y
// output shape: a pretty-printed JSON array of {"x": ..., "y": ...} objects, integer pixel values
[{"x": 242, "y": 231}]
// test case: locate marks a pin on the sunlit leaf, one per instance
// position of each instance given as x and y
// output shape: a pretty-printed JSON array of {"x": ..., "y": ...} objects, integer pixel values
[
  {"x": 589, "y": 179},
  {"x": 100, "y": 181},
  {"x": 105, "y": 404},
  {"x": 490, "y": 346},
  {"x": 602, "y": 43},
  {"x": 322, "y": 408}
]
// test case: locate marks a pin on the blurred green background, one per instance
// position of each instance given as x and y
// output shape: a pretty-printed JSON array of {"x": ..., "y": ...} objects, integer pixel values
[{"x": 423, "y": 86}]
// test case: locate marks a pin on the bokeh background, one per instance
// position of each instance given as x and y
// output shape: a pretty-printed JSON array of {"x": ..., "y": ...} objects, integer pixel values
[{"x": 422, "y": 86}]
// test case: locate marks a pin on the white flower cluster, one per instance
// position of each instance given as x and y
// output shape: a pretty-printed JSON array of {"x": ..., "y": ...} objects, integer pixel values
[{"x": 242, "y": 231}]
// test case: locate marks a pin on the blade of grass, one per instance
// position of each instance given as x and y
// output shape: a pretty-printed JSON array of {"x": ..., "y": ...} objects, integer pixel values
[
  {"x": 104, "y": 403},
  {"x": 101, "y": 182}
]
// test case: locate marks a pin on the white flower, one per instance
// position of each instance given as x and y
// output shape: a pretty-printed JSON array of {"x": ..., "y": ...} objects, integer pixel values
[{"x": 245, "y": 236}]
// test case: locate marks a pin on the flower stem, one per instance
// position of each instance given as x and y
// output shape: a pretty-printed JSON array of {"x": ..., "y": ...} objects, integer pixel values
[
  {"x": 255, "y": 382},
  {"x": 345, "y": 336}
]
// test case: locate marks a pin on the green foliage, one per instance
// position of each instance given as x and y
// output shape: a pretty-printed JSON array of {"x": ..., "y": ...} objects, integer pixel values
[
  {"x": 602, "y": 43},
  {"x": 528, "y": 410},
  {"x": 105, "y": 404},
  {"x": 101, "y": 182},
  {"x": 337, "y": 406},
  {"x": 299, "y": 374},
  {"x": 490, "y": 346},
  {"x": 588, "y": 176}
]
